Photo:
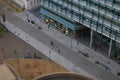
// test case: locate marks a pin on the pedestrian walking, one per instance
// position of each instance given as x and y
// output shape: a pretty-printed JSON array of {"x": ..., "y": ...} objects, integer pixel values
[
  {"x": 95, "y": 47},
  {"x": 48, "y": 26},
  {"x": 28, "y": 55},
  {"x": 4, "y": 17},
  {"x": 58, "y": 51},
  {"x": 51, "y": 43},
  {"x": 14, "y": 51}
]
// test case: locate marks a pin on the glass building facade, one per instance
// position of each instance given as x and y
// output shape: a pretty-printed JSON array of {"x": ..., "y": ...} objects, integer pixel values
[{"x": 101, "y": 16}]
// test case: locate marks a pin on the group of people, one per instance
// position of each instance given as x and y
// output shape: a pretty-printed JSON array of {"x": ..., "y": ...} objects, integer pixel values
[
  {"x": 32, "y": 55},
  {"x": 53, "y": 45}
]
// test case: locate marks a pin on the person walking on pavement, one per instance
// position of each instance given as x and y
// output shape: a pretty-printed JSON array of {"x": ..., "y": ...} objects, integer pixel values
[
  {"x": 48, "y": 26},
  {"x": 28, "y": 54},
  {"x": 95, "y": 47},
  {"x": 51, "y": 43},
  {"x": 4, "y": 17},
  {"x": 58, "y": 51}
]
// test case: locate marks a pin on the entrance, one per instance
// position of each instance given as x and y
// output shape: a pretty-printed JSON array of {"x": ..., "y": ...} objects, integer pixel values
[
  {"x": 83, "y": 36},
  {"x": 101, "y": 43},
  {"x": 59, "y": 27},
  {"x": 115, "y": 50}
]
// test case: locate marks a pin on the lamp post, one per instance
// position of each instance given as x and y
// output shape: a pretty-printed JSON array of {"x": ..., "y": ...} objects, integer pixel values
[
  {"x": 49, "y": 54},
  {"x": 77, "y": 44},
  {"x": 18, "y": 62},
  {"x": 35, "y": 21},
  {"x": 71, "y": 41},
  {"x": 27, "y": 14},
  {"x": 4, "y": 56}
]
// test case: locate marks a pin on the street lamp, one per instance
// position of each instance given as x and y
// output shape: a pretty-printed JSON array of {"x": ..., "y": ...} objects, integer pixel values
[
  {"x": 4, "y": 56},
  {"x": 77, "y": 45},
  {"x": 18, "y": 62},
  {"x": 71, "y": 40},
  {"x": 35, "y": 20},
  {"x": 27, "y": 17},
  {"x": 49, "y": 54},
  {"x": 27, "y": 14}
]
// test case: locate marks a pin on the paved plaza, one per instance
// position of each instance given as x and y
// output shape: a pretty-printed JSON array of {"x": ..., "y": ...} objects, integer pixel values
[
  {"x": 96, "y": 65},
  {"x": 11, "y": 43}
]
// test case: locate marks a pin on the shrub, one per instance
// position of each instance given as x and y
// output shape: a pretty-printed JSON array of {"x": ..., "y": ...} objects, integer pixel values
[{"x": 2, "y": 30}]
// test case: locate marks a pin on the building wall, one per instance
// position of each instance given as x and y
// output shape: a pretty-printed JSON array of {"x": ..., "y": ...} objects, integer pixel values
[
  {"x": 28, "y": 4},
  {"x": 102, "y": 16},
  {"x": 32, "y": 4}
]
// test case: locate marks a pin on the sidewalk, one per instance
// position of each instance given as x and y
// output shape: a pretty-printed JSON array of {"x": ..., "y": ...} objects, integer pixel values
[{"x": 95, "y": 57}]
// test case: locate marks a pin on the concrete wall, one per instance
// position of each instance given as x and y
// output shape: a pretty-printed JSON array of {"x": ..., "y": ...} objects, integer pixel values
[{"x": 28, "y": 4}]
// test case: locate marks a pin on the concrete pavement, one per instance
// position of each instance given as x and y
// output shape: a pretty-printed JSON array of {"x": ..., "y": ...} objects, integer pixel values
[
  {"x": 68, "y": 58},
  {"x": 105, "y": 63}
]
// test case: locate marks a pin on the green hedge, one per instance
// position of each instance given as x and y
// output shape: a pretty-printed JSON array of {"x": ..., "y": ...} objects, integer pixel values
[{"x": 2, "y": 30}]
